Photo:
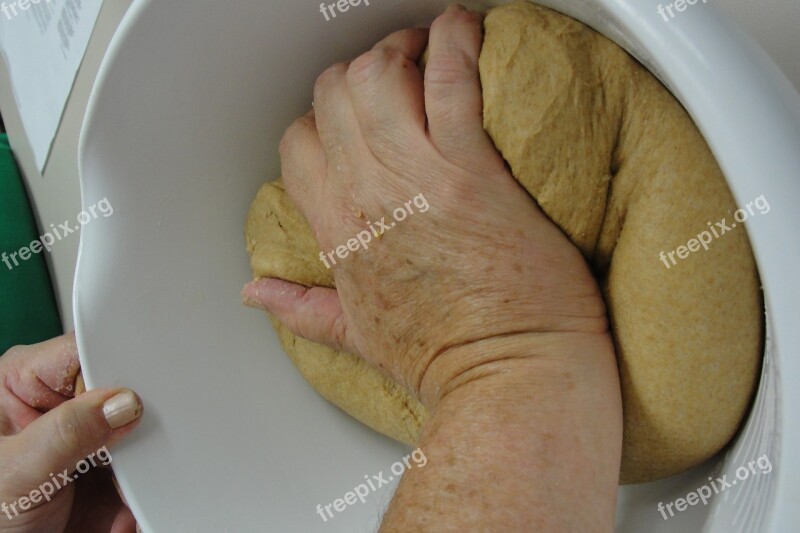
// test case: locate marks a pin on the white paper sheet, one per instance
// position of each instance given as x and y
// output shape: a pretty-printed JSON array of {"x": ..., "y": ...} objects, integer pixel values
[{"x": 43, "y": 43}]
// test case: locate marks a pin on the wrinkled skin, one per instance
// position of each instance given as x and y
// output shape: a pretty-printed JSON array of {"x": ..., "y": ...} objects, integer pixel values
[
  {"x": 483, "y": 262},
  {"x": 45, "y": 430},
  {"x": 479, "y": 305}
]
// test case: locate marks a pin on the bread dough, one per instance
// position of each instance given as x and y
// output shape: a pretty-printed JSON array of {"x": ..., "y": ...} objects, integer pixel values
[
  {"x": 281, "y": 245},
  {"x": 616, "y": 162}
]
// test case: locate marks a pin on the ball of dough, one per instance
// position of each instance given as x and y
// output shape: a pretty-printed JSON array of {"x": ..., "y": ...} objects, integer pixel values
[{"x": 616, "y": 162}]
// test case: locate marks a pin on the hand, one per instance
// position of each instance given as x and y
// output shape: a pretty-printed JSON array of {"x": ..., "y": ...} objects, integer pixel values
[
  {"x": 476, "y": 267},
  {"x": 46, "y": 432},
  {"x": 476, "y": 302}
]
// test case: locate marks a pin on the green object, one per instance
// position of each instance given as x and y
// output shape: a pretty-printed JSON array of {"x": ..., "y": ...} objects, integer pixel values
[{"x": 28, "y": 311}]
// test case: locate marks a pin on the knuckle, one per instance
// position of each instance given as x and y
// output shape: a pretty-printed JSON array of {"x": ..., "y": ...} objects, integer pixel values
[
  {"x": 296, "y": 317},
  {"x": 66, "y": 435},
  {"x": 450, "y": 70},
  {"x": 15, "y": 352},
  {"x": 72, "y": 433},
  {"x": 472, "y": 18},
  {"x": 393, "y": 55},
  {"x": 367, "y": 66},
  {"x": 461, "y": 16},
  {"x": 370, "y": 65},
  {"x": 288, "y": 139},
  {"x": 329, "y": 75},
  {"x": 13, "y": 377},
  {"x": 299, "y": 130}
]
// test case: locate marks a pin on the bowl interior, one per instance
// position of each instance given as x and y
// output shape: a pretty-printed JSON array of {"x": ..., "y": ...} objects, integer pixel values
[{"x": 182, "y": 130}]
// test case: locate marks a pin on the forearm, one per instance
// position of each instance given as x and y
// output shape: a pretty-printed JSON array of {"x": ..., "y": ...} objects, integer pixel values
[{"x": 532, "y": 445}]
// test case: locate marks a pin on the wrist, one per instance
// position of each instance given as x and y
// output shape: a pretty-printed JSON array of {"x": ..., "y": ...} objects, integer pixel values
[
  {"x": 550, "y": 360},
  {"x": 546, "y": 412}
]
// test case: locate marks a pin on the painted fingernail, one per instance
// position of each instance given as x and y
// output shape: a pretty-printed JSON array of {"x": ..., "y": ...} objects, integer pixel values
[{"x": 122, "y": 409}]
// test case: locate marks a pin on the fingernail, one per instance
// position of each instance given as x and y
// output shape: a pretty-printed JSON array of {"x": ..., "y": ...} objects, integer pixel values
[
  {"x": 247, "y": 298},
  {"x": 122, "y": 409},
  {"x": 249, "y": 302},
  {"x": 80, "y": 385},
  {"x": 456, "y": 7}
]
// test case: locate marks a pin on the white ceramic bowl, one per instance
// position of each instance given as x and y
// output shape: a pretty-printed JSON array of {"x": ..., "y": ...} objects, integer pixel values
[{"x": 182, "y": 129}]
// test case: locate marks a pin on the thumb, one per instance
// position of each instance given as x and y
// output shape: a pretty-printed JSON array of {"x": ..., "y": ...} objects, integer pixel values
[
  {"x": 73, "y": 437},
  {"x": 314, "y": 313}
]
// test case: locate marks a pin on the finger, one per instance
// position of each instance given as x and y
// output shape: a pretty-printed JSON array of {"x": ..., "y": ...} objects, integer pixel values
[
  {"x": 98, "y": 506},
  {"x": 125, "y": 522},
  {"x": 80, "y": 384},
  {"x": 386, "y": 91},
  {"x": 119, "y": 490},
  {"x": 337, "y": 126},
  {"x": 59, "y": 439},
  {"x": 303, "y": 163},
  {"x": 453, "y": 98},
  {"x": 43, "y": 375},
  {"x": 312, "y": 313}
]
